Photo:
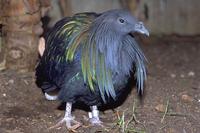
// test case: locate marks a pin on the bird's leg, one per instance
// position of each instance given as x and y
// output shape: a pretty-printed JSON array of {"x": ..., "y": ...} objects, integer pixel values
[
  {"x": 69, "y": 119},
  {"x": 94, "y": 116}
]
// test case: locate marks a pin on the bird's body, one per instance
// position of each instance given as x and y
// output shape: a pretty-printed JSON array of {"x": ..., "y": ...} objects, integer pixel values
[{"x": 89, "y": 57}]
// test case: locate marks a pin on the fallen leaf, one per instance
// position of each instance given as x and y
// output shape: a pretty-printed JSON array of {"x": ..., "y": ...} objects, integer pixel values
[{"x": 160, "y": 108}]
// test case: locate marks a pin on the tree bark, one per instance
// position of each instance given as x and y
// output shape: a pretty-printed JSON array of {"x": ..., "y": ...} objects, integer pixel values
[
  {"x": 22, "y": 26},
  {"x": 2, "y": 45}
]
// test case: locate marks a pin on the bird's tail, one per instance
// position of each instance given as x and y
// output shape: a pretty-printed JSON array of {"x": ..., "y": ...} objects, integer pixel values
[{"x": 50, "y": 97}]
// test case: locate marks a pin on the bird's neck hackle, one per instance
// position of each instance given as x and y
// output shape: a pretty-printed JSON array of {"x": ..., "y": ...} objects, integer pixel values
[{"x": 107, "y": 42}]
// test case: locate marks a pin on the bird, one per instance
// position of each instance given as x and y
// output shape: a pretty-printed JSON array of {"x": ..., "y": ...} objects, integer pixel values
[{"x": 89, "y": 58}]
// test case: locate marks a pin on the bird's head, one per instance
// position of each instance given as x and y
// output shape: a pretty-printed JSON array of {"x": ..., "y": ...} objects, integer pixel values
[{"x": 121, "y": 22}]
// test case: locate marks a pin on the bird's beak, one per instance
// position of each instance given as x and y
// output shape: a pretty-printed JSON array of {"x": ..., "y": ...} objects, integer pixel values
[{"x": 139, "y": 27}]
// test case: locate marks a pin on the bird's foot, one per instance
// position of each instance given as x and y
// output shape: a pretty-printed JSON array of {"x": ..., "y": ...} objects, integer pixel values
[
  {"x": 71, "y": 124},
  {"x": 95, "y": 121}
]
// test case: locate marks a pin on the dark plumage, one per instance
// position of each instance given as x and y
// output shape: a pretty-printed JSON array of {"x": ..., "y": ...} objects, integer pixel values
[{"x": 89, "y": 57}]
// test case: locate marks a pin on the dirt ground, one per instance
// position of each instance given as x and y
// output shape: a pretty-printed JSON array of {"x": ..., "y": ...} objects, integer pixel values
[{"x": 171, "y": 103}]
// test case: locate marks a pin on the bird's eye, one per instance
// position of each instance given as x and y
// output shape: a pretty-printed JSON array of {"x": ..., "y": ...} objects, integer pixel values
[{"x": 121, "y": 20}]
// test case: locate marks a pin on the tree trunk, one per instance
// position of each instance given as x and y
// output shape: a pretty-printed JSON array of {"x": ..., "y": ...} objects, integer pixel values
[
  {"x": 21, "y": 30},
  {"x": 2, "y": 45}
]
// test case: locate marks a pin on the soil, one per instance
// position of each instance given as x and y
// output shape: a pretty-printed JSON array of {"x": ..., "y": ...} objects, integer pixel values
[{"x": 171, "y": 103}]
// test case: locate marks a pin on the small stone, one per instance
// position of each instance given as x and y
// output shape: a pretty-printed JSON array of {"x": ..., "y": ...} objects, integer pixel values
[
  {"x": 186, "y": 98},
  {"x": 11, "y": 81},
  {"x": 191, "y": 74},
  {"x": 173, "y": 75},
  {"x": 182, "y": 76},
  {"x": 4, "y": 94},
  {"x": 160, "y": 108}
]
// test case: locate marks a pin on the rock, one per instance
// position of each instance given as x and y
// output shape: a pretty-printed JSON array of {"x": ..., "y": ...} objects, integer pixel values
[
  {"x": 182, "y": 76},
  {"x": 11, "y": 81},
  {"x": 199, "y": 100},
  {"x": 173, "y": 75},
  {"x": 191, "y": 74}
]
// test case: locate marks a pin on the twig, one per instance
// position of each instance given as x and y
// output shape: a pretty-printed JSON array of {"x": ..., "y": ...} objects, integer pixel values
[
  {"x": 167, "y": 124},
  {"x": 133, "y": 117},
  {"x": 166, "y": 110},
  {"x": 121, "y": 121},
  {"x": 176, "y": 114},
  {"x": 135, "y": 130}
]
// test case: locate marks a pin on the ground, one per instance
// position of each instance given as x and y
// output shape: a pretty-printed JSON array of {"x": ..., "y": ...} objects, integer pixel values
[{"x": 171, "y": 103}]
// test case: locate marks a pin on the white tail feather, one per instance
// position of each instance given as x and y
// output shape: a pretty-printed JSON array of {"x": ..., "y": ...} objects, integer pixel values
[{"x": 50, "y": 97}]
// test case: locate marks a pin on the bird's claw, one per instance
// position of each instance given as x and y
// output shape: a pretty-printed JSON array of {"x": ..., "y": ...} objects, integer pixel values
[
  {"x": 69, "y": 121},
  {"x": 95, "y": 121}
]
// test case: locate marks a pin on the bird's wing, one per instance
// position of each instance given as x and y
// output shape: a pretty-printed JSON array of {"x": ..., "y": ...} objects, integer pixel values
[{"x": 64, "y": 40}]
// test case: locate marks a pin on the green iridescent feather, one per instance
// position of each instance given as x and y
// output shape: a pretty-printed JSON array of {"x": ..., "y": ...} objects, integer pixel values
[{"x": 76, "y": 35}]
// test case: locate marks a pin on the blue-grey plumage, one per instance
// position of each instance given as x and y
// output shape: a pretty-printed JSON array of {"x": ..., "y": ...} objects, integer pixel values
[
  {"x": 104, "y": 47},
  {"x": 89, "y": 57},
  {"x": 111, "y": 31}
]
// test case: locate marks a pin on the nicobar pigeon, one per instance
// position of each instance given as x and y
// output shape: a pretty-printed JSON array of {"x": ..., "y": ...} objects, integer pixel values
[{"x": 89, "y": 57}]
